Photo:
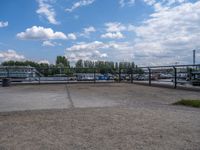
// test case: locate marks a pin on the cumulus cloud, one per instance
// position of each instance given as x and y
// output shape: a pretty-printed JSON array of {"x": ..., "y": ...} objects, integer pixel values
[
  {"x": 71, "y": 36},
  {"x": 150, "y": 2},
  {"x": 89, "y": 30},
  {"x": 86, "y": 46},
  {"x": 165, "y": 4},
  {"x": 50, "y": 44},
  {"x": 98, "y": 50},
  {"x": 123, "y": 3},
  {"x": 41, "y": 33},
  {"x": 170, "y": 34},
  {"x": 3, "y": 24},
  {"x": 86, "y": 51},
  {"x": 114, "y": 27},
  {"x": 115, "y": 35},
  {"x": 44, "y": 62},
  {"x": 46, "y": 10},
  {"x": 79, "y": 4},
  {"x": 118, "y": 27},
  {"x": 94, "y": 55},
  {"x": 10, "y": 55}
]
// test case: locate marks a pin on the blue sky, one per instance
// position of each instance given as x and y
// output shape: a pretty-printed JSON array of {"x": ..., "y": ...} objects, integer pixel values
[{"x": 148, "y": 32}]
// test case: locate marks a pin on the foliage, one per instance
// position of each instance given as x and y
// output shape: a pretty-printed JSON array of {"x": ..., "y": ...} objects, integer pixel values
[
  {"x": 187, "y": 102},
  {"x": 63, "y": 67},
  {"x": 62, "y": 61}
]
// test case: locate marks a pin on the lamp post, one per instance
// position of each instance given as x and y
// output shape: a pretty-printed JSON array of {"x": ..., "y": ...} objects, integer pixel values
[{"x": 194, "y": 53}]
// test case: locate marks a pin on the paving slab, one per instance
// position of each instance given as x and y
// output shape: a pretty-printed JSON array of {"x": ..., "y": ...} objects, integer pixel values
[
  {"x": 31, "y": 97},
  {"x": 90, "y": 95},
  {"x": 116, "y": 116},
  {"x": 59, "y": 96}
]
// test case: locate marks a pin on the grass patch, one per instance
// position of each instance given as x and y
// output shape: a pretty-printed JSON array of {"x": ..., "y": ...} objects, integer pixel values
[{"x": 187, "y": 102}]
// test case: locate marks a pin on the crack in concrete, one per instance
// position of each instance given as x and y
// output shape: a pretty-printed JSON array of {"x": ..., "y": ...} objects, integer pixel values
[{"x": 69, "y": 97}]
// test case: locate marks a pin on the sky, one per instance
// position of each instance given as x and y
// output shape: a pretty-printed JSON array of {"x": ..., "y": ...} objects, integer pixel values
[{"x": 148, "y": 32}]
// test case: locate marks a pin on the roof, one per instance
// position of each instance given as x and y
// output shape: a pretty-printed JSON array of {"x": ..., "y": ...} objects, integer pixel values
[{"x": 16, "y": 67}]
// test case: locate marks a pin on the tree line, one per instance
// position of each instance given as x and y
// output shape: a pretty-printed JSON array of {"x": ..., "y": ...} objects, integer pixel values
[{"x": 62, "y": 66}]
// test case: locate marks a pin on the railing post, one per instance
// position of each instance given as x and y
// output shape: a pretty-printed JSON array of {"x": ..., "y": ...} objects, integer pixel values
[
  {"x": 8, "y": 73},
  {"x": 94, "y": 75},
  {"x": 39, "y": 79},
  {"x": 131, "y": 75},
  {"x": 175, "y": 77},
  {"x": 119, "y": 75},
  {"x": 149, "y": 76}
]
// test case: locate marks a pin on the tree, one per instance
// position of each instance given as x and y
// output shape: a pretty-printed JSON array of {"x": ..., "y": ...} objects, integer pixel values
[
  {"x": 79, "y": 66},
  {"x": 88, "y": 64},
  {"x": 79, "y": 63},
  {"x": 62, "y": 61},
  {"x": 8, "y": 63}
]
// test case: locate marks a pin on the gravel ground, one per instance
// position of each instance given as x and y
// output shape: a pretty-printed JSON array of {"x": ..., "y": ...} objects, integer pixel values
[{"x": 104, "y": 117}]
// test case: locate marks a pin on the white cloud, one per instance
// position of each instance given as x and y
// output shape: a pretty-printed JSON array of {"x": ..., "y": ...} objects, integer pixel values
[
  {"x": 10, "y": 55},
  {"x": 72, "y": 36},
  {"x": 86, "y": 51},
  {"x": 78, "y": 4},
  {"x": 50, "y": 44},
  {"x": 94, "y": 55},
  {"x": 169, "y": 35},
  {"x": 41, "y": 33},
  {"x": 150, "y": 2},
  {"x": 89, "y": 30},
  {"x": 44, "y": 62},
  {"x": 86, "y": 46},
  {"x": 115, "y": 35},
  {"x": 98, "y": 45},
  {"x": 98, "y": 50},
  {"x": 46, "y": 10},
  {"x": 3, "y": 24},
  {"x": 165, "y": 4},
  {"x": 118, "y": 27},
  {"x": 114, "y": 27},
  {"x": 123, "y": 3}
]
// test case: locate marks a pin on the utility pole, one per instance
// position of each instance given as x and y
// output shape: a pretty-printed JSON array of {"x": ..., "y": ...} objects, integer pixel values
[{"x": 194, "y": 52}]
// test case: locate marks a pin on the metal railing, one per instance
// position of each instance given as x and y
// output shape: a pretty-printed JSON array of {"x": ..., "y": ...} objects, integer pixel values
[
  {"x": 172, "y": 76},
  {"x": 185, "y": 76}
]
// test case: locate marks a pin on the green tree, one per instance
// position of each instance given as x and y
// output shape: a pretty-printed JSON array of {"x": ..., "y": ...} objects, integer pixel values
[
  {"x": 79, "y": 66},
  {"x": 62, "y": 61},
  {"x": 79, "y": 63}
]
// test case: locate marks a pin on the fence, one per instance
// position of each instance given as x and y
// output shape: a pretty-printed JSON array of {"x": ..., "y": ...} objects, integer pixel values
[
  {"x": 177, "y": 76},
  {"x": 187, "y": 76}
]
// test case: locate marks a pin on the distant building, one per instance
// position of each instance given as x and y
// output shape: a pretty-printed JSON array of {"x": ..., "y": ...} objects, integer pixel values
[{"x": 18, "y": 71}]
